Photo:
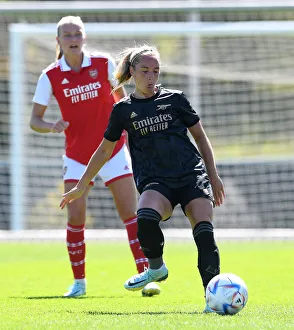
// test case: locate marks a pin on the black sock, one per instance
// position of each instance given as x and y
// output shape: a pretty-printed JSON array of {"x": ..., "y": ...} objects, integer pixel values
[
  {"x": 208, "y": 253},
  {"x": 150, "y": 234},
  {"x": 155, "y": 263}
]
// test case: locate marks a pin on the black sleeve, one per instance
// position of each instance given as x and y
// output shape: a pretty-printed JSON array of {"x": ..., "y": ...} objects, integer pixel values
[
  {"x": 187, "y": 114},
  {"x": 115, "y": 126}
]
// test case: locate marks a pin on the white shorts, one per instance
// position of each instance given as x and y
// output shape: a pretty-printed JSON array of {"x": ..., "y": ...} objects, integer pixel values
[{"x": 116, "y": 168}]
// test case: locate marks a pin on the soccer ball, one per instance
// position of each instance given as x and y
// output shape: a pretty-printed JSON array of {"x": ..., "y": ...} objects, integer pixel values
[{"x": 226, "y": 294}]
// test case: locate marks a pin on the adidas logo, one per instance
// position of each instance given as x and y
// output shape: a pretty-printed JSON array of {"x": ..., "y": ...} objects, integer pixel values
[
  {"x": 64, "y": 81},
  {"x": 133, "y": 114},
  {"x": 126, "y": 167}
]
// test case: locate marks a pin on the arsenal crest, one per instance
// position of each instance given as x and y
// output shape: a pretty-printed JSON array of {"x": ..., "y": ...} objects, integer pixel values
[{"x": 93, "y": 73}]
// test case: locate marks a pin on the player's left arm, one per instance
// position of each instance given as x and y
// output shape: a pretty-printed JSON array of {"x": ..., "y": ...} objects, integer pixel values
[
  {"x": 118, "y": 94},
  {"x": 206, "y": 151}
]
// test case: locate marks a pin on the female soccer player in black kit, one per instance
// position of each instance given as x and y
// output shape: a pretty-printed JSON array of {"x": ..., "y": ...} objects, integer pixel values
[{"x": 168, "y": 168}]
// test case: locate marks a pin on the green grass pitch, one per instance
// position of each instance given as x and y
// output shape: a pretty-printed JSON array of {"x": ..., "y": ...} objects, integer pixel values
[{"x": 35, "y": 275}]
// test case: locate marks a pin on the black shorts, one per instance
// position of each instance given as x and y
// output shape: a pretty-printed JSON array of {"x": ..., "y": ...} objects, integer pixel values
[{"x": 182, "y": 195}]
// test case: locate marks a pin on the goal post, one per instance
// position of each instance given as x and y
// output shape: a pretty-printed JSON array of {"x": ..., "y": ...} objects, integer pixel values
[
  {"x": 17, "y": 138},
  {"x": 231, "y": 91}
]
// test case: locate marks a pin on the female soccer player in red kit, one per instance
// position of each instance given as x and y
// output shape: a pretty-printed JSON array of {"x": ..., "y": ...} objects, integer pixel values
[{"x": 82, "y": 83}]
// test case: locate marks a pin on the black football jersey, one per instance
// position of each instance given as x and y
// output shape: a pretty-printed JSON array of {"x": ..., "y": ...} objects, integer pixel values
[{"x": 160, "y": 148}]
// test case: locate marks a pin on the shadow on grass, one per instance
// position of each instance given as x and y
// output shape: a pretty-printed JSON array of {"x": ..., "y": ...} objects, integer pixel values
[
  {"x": 62, "y": 297},
  {"x": 141, "y": 313},
  {"x": 97, "y": 313}
]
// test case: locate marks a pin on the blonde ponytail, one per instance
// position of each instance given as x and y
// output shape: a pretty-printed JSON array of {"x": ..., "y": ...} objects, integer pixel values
[
  {"x": 58, "y": 53},
  {"x": 130, "y": 57}
]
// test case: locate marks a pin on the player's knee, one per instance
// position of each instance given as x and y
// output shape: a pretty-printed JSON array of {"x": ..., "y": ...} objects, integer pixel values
[
  {"x": 76, "y": 219},
  {"x": 149, "y": 233}
]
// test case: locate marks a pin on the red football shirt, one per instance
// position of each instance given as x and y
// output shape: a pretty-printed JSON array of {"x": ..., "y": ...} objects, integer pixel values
[{"x": 84, "y": 99}]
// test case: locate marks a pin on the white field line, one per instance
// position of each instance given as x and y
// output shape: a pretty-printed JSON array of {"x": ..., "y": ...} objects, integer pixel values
[{"x": 170, "y": 234}]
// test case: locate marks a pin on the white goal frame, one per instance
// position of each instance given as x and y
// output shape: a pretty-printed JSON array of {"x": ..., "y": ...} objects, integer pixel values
[{"x": 19, "y": 32}]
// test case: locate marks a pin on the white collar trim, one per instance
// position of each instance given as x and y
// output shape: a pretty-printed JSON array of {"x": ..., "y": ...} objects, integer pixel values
[{"x": 86, "y": 62}]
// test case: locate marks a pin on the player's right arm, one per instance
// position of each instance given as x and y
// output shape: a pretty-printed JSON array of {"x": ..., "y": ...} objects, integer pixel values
[
  {"x": 41, "y": 100},
  {"x": 98, "y": 159},
  {"x": 38, "y": 124}
]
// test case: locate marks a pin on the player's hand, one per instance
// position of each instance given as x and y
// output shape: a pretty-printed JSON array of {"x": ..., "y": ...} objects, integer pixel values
[
  {"x": 59, "y": 126},
  {"x": 70, "y": 196},
  {"x": 218, "y": 190}
]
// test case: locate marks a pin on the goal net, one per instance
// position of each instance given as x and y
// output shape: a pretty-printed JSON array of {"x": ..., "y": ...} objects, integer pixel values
[{"x": 239, "y": 77}]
